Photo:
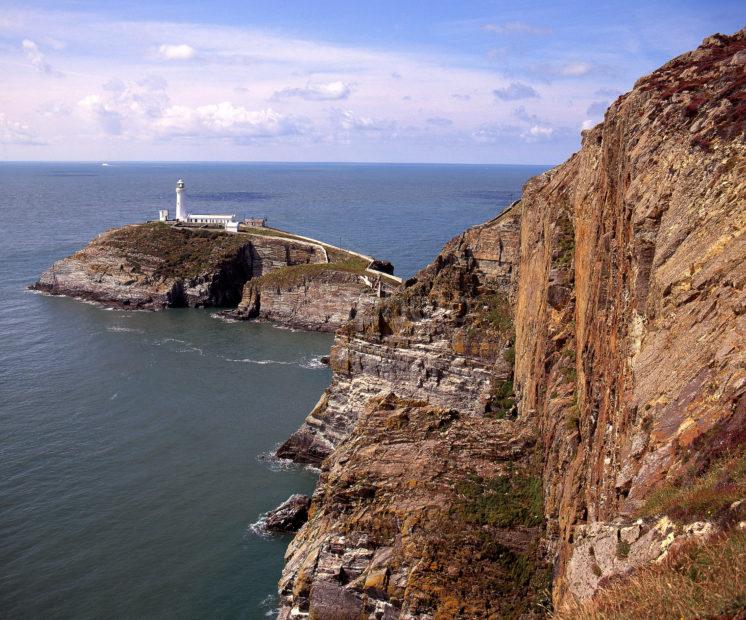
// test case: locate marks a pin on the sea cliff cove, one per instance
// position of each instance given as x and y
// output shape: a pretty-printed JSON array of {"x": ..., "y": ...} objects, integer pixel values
[{"x": 381, "y": 391}]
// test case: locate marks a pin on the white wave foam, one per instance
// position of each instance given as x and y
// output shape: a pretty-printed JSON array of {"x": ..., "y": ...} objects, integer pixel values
[
  {"x": 284, "y": 328},
  {"x": 277, "y": 464},
  {"x": 248, "y": 360},
  {"x": 259, "y": 527},
  {"x": 119, "y": 328},
  {"x": 271, "y": 604},
  {"x": 274, "y": 462},
  {"x": 225, "y": 319},
  {"x": 190, "y": 350},
  {"x": 312, "y": 363}
]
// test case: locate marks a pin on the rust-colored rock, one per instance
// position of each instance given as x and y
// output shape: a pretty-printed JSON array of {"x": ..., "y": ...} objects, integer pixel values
[{"x": 593, "y": 334}]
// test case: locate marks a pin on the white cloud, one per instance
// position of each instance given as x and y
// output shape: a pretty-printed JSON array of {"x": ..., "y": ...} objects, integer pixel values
[
  {"x": 318, "y": 91},
  {"x": 539, "y": 132},
  {"x": 575, "y": 69},
  {"x": 16, "y": 133},
  {"x": 54, "y": 108},
  {"x": 607, "y": 92},
  {"x": 36, "y": 57},
  {"x": 439, "y": 121},
  {"x": 127, "y": 107},
  {"x": 597, "y": 108},
  {"x": 521, "y": 113},
  {"x": 249, "y": 85},
  {"x": 515, "y": 91},
  {"x": 225, "y": 120},
  {"x": 515, "y": 27},
  {"x": 495, "y": 133},
  {"x": 177, "y": 52},
  {"x": 587, "y": 124},
  {"x": 108, "y": 117},
  {"x": 350, "y": 121}
]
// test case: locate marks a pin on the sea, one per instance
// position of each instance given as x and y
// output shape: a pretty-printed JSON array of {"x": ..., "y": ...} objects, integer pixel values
[{"x": 135, "y": 447}]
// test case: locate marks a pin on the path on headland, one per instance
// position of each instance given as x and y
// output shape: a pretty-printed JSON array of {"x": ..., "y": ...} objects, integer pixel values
[{"x": 323, "y": 246}]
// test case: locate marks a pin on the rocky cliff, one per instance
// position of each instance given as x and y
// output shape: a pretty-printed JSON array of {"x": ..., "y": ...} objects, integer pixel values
[
  {"x": 266, "y": 274},
  {"x": 580, "y": 357}
]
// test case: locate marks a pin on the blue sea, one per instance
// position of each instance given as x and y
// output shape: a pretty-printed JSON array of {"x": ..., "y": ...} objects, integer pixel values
[{"x": 134, "y": 446}]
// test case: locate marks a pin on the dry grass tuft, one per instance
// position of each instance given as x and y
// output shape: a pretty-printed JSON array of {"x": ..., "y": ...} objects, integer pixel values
[
  {"x": 695, "y": 581},
  {"x": 706, "y": 496}
]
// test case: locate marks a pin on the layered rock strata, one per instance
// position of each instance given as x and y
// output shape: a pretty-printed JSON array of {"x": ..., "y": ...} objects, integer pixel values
[
  {"x": 600, "y": 323},
  {"x": 442, "y": 339},
  {"x": 402, "y": 524},
  {"x": 154, "y": 266},
  {"x": 314, "y": 299}
]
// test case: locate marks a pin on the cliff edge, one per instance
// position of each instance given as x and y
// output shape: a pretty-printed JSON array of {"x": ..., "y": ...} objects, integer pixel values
[
  {"x": 260, "y": 273},
  {"x": 558, "y": 401}
]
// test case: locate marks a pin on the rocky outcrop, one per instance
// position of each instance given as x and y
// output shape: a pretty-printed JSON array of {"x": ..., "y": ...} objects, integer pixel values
[
  {"x": 599, "y": 323},
  {"x": 602, "y": 551},
  {"x": 410, "y": 517},
  {"x": 288, "y": 516},
  {"x": 312, "y": 297},
  {"x": 443, "y": 339},
  {"x": 151, "y": 266},
  {"x": 286, "y": 280},
  {"x": 630, "y": 324}
]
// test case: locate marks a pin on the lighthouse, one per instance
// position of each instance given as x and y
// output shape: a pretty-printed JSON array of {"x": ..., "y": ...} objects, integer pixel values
[{"x": 181, "y": 214}]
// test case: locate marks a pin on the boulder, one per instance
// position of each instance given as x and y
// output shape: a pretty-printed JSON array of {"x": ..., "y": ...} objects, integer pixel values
[{"x": 288, "y": 516}]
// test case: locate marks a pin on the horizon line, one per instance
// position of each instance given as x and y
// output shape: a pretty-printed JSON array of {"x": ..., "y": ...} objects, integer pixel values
[{"x": 248, "y": 161}]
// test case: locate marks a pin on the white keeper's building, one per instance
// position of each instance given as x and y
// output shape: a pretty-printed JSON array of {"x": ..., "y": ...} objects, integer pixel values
[{"x": 227, "y": 221}]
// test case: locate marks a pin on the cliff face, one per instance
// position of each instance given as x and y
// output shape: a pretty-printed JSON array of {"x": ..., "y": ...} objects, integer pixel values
[
  {"x": 591, "y": 337},
  {"x": 629, "y": 316},
  {"x": 315, "y": 299},
  {"x": 153, "y": 266},
  {"x": 443, "y": 339}
]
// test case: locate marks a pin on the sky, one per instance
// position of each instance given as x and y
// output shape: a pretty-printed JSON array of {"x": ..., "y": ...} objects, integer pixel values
[{"x": 328, "y": 80}]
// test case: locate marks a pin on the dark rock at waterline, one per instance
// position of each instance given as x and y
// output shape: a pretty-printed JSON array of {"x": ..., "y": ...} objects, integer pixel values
[
  {"x": 383, "y": 266},
  {"x": 325, "y": 359},
  {"x": 288, "y": 516}
]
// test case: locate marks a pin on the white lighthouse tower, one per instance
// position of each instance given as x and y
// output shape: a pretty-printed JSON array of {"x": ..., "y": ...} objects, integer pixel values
[{"x": 181, "y": 213}]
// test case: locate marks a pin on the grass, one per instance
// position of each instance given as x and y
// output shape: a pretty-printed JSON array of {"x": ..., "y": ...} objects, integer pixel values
[
  {"x": 505, "y": 501},
  {"x": 502, "y": 399},
  {"x": 568, "y": 368},
  {"x": 508, "y": 570},
  {"x": 496, "y": 309},
  {"x": 509, "y": 354},
  {"x": 289, "y": 276},
  {"x": 695, "y": 581},
  {"x": 704, "y": 496},
  {"x": 565, "y": 245},
  {"x": 338, "y": 257},
  {"x": 572, "y": 420},
  {"x": 173, "y": 251}
]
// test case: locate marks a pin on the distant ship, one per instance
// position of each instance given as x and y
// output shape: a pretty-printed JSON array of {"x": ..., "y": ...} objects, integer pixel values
[{"x": 104, "y": 164}]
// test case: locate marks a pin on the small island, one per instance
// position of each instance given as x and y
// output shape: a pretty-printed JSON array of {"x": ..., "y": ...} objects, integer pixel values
[{"x": 250, "y": 270}]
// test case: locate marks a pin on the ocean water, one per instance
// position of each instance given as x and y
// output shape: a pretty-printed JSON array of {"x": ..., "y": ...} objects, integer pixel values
[{"x": 133, "y": 444}]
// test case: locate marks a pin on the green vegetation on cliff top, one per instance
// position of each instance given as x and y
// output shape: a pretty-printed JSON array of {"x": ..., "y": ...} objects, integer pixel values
[
  {"x": 176, "y": 251},
  {"x": 172, "y": 251}
]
